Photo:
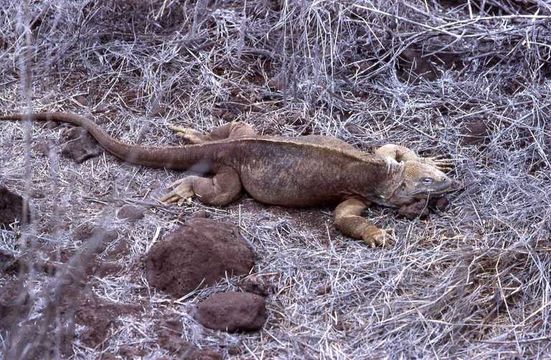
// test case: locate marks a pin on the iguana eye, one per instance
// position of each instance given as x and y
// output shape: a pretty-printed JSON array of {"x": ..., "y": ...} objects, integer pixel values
[{"x": 427, "y": 181}]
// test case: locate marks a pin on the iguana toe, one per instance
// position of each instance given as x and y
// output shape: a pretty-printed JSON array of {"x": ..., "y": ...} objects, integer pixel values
[
  {"x": 177, "y": 196},
  {"x": 377, "y": 237},
  {"x": 182, "y": 192},
  {"x": 440, "y": 162},
  {"x": 187, "y": 134}
]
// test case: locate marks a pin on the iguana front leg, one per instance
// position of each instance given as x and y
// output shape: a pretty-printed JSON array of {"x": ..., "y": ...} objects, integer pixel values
[
  {"x": 219, "y": 190},
  {"x": 349, "y": 221},
  {"x": 401, "y": 153}
]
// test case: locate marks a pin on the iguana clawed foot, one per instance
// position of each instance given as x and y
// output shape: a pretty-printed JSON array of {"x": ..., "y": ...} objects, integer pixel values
[
  {"x": 440, "y": 162},
  {"x": 374, "y": 237},
  {"x": 403, "y": 154},
  {"x": 182, "y": 192},
  {"x": 189, "y": 135},
  {"x": 349, "y": 221}
]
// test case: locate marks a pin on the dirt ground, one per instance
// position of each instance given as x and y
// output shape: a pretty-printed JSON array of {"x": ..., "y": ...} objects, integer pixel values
[{"x": 469, "y": 80}]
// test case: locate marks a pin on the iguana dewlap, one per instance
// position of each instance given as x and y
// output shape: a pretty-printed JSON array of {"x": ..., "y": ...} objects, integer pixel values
[{"x": 294, "y": 172}]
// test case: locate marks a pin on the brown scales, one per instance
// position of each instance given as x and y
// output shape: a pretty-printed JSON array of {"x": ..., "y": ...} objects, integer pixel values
[{"x": 295, "y": 172}]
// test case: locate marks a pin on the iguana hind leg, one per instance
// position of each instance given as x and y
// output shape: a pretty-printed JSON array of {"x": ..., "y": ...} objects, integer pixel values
[
  {"x": 189, "y": 135},
  {"x": 223, "y": 188},
  {"x": 349, "y": 221},
  {"x": 401, "y": 153},
  {"x": 235, "y": 129}
]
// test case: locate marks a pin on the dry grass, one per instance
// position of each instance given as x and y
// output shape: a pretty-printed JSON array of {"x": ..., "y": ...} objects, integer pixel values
[{"x": 472, "y": 282}]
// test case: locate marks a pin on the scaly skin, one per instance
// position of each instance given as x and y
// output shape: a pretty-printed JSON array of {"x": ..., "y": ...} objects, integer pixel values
[{"x": 294, "y": 172}]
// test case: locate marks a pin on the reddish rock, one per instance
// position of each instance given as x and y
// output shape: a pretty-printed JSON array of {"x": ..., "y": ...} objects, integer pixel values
[
  {"x": 420, "y": 208},
  {"x": 42, "y": 148},
  {"x": 440, "y": 203},
  {"x": 97, "y": 236},
  {"x": 232, "y": 311},
  {"x": 11, "y": 207},
  {"x": 475, "y": 132},
  {"x": 80, "y": 145},
  {"x": 199, "y": 253},
  {"x": 257, "y": 285},
  {"x": 205, "y": 355},
  {"x": 415, "y": 63},
  {"x": 417, "y": 209},
  {"x": 9, "y": 263},
  {"x": 15, "y": 304},
  {"x": 170, "y": 338},
  {"x": 130, "y": 212},
  {"x": 97, "y": 316}
]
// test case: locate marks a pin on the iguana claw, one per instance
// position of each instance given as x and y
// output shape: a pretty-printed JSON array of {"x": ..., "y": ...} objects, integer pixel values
[
  {"x": 189, "y": 135},
  {"x": 442, "y": 163},
  {"x": 182, "y": 192},
  {"x": 379, "y": 237},
  {"x": 403, "y": 154}
]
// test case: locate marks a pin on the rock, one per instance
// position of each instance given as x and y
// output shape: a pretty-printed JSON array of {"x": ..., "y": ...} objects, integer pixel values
[
  {"x": 12, "y": 264},
  {"x": 42, "y": 148},
  {"x": 82, "y": 100},
  {"x": 324, "y": 289},
  {"x": 80, "y": 145},
  {"x": 105, "y": 268},
  {"x": 415, "y": 63},
  {"x": 37, "y": 194},
  {"x": 15, "y": 304},
  {"x": 95, "y": 234},
  {"x": 130, "y": 212},
  {"x": 440, "y": 203},
  {"x": 88, "y": 230},
  {"x": 417, "y": 209},
  {"x": 12, "y": 207},
  {"x": 232, "y": 311},
  {"x": 131, "y": 352},
  {"x": 204, "y": 355},
  {"x": 234, "y": 350},
  {"x": 170, "y": 338},
  {"x": 420, "y": 208},
  {"x": 199, "y": 253},
  {"x": 257, "y": 285},
  {"x": 475, "y": 132},
  {"x": 96, "y": 316},
  {"x": 9, "y": 263}
]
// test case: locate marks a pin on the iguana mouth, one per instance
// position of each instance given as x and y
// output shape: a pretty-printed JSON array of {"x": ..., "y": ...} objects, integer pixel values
[{"x": 443, "y": 186}]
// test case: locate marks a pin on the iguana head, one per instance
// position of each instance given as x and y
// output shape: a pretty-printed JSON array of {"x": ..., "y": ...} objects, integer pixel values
[{"x": 415, "y": 180}]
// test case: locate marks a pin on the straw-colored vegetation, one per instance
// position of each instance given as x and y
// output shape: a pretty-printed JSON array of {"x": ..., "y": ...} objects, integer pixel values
[{"x": 454, "y": 78}]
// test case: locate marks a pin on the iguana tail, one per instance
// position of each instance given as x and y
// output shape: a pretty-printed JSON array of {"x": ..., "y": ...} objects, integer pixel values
[{"x": 172, "y": 157}]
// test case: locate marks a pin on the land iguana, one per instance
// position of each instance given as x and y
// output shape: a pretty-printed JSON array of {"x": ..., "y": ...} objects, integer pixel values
[{"x": 304, "y": 171}]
